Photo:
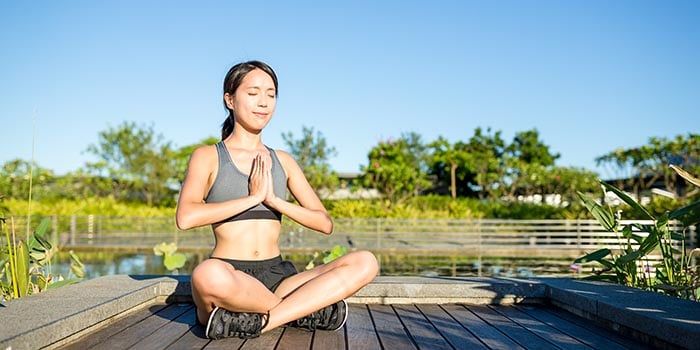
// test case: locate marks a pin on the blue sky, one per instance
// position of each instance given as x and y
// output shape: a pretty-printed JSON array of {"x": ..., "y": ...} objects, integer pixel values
[{"x": 590, "y": 76}]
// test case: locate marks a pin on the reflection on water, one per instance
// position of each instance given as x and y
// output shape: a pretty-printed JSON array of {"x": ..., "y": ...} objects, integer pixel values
[{"x": 108, "y": 263}]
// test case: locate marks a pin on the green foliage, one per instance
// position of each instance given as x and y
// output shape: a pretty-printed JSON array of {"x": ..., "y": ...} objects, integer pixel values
[
  {"x": 138, "y": 161},
  {"x": 312, "y": 153},
  {"x": 646, "y": 165},
  {"x": 676, "y": 275},
  {"x": 446, "y": 207},
  {"x": 105, "y": 206},
  {"x": 397, "y": 169},
  {"x": 328, "y": 256},
  {"x": 25, "y": 268},
  {"x": 171, "y": 259}
]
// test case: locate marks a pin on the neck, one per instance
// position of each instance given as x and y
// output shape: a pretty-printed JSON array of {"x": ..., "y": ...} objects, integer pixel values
[{"x": 243, "y": 139}]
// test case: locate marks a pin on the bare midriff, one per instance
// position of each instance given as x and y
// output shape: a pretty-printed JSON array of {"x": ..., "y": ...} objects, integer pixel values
[{"x": 247, "y": 240}]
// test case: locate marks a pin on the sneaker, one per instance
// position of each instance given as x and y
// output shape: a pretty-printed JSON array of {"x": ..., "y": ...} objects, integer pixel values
[
  {"x": 225, "y": 324},
  {"x": 330, "y": 318}
]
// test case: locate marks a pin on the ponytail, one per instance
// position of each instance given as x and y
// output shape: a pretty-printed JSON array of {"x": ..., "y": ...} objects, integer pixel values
[{"x": 227, "y": 126}]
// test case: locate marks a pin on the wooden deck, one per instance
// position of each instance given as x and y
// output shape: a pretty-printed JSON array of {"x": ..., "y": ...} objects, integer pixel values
[{"x": 373, "y": 326}]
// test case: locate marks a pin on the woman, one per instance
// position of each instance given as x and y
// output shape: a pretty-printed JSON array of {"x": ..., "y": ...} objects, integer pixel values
[{"x": 239, "y": 187}]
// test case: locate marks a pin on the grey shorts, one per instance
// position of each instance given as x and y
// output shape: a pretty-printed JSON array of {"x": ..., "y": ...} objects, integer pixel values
[{"x": 271, "y": 272}]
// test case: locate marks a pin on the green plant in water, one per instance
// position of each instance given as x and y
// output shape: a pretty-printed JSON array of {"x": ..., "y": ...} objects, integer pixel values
[
  {"x": 171, "y": 259},
  {"x": 25, "y": 267},
  {"x": 675, "y": 275},
  {"x": 328, "y": 256}
]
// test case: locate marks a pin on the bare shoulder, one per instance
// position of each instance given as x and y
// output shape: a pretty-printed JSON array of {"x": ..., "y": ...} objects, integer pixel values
[{"x": 204, "y": 156}]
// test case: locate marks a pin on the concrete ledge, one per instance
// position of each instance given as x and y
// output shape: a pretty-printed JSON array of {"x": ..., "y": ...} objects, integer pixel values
[
  {"x": 652, "y": 317},
  {"x": 442, "y": 290},
  {"x": 52, "y": 318}
]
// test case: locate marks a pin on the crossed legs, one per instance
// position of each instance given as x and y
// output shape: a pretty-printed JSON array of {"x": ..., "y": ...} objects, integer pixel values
[{"x": 217, "y": 283}]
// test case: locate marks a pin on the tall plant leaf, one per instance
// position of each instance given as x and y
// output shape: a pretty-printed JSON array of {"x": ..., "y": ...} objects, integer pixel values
[
  {"x": 688, "y": 215},
  {"x": 22, "y": 266},
  {"x": 604, "y": 217},
  {"x": 686, "y": 175},
  {"x": 594, "y": 256},
  {"x": 627, "y": 199}
]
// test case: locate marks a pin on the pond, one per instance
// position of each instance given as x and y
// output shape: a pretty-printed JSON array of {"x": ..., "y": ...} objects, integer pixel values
[{"x": 110, "y": 263}]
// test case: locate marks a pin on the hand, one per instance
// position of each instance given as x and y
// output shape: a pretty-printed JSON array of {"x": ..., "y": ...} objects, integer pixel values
[
  {"x": 270, "y": 194},
  {"x": 258, "y": 182}
]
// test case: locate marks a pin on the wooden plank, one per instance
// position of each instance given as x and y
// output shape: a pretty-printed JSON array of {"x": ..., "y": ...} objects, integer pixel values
[
  {"x": 574, "y": 329},
  {"x": 491, "y": 336},
  {"x": 360, "y": 329},
  {"x": 169, "y": 333},
  {"x": 93, "y": 338},
  {"x": 455, "y": 334},
  {"x": 421, "y": 330},
  {"x": 329, "y": 339},
  {"x": 584, "y": 330},
  {"x": 142, "y": 329},
  {"x": 513, "y": 330},
  {"x": 544, "y": 331},
  {"x": 266, "y": 341},
  {"x": 392, "y": 334},
  {"x": 294, "y": 338},
  {"x": 195, "y": 339}
]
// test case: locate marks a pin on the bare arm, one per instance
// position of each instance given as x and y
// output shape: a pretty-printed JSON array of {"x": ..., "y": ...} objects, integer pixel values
[
  {"x": 191, "y": 209},
  {"x": 310, "y": 212}
]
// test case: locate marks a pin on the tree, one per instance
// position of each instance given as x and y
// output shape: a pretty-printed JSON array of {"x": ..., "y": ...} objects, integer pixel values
[
  {"x": 487, "y": 151},
  {"x": 648, "y": 164},
  {"x": 182, "y": 156},
  {"x": 15, "y": 175},
  {"x": 449, "y": 156},
  {"x": 137, "y": 160},
  {"x": 397, "y": 169},
  {"x": 312, "y": 152},
  {"x": 527, "y": 162}
]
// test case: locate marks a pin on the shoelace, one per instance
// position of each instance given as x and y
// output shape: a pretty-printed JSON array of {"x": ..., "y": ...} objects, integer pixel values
[
  {"x": 245, "y": 325},
  {"x": 318, "y": 318}
]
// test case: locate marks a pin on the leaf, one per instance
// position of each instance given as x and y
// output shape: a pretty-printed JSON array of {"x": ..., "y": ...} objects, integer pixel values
[
  {"x": 310, "y": 265},
  {"x": 174, "y": 261},
  {"x": 63, "y": 283},
  {"x": 686, "y": 175},
  {"x": 76, "y": 266},
  {"x": 22, "y": 266},
  {"x": 627, "y": 258},
  {"x": 42, "y": 228},
  {"x": 604, "y": 217},
  {"x": 165, "y": 249},
  {"x": 336, "y": 252},
  {"x": 627, "y": 199},
  {"x": 597, "y": 255},
  {"x": 688, "y": 215}
]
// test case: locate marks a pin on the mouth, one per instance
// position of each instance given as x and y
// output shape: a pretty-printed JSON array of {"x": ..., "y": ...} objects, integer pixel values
[{"x": 260, "y": 114}]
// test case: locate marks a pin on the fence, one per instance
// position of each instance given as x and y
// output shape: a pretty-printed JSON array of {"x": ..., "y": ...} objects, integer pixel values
[{"x": 485, "y": 237}]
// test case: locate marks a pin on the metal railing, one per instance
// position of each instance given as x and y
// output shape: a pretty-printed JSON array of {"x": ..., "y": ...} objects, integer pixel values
[{"x": 482, "y": 237}]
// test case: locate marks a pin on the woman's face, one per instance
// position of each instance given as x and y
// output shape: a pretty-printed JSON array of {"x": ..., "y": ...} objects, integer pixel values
[{"x": 254, "y": 101}]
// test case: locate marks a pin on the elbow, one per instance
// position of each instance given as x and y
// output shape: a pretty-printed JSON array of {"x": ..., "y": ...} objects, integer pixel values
[
  {"x": 327, "y": 228},
  {"x": 183, "y": 222}
]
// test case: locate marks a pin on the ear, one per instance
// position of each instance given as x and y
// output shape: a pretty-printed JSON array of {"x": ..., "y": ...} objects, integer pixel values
[{"x": 229, "y": 100}]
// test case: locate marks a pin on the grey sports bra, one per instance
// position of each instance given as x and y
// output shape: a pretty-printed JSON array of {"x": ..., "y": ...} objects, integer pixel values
[{"x": 231, "y": 183}]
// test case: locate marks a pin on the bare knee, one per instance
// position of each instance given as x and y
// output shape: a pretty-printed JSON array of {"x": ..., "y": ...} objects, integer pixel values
[
  {"x": 209, "y": 279},
  {"x": 365, "y": 264}
]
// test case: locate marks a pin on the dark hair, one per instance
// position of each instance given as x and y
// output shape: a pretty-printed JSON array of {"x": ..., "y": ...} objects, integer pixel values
[{"x": 233, "y": 79}]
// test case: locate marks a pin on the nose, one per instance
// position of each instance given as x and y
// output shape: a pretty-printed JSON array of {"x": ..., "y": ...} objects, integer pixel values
[{"x": 262, "y": 101}]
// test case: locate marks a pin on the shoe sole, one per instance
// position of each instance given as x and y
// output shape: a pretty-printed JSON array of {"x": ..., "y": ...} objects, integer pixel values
[
  {"x": 211, "y": 316},
  {"x": 345, "y": 318}
]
